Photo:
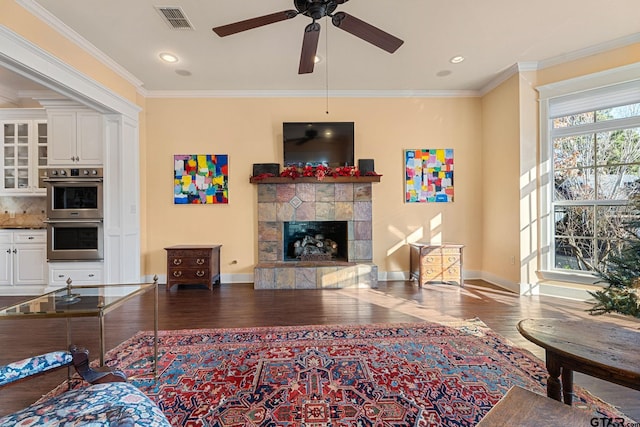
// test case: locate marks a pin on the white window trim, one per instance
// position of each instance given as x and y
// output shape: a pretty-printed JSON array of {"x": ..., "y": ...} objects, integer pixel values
[{"x": 615, "y": 76}]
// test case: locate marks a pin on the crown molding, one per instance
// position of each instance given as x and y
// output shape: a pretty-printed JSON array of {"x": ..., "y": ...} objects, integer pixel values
[
  {"x": 589, "y": 51},
  {"x": 505, "y": 75},
  {"x": 48, "y": 18},
  {"x": 558, "y": 60},
  {"x": 37, "y": 94},
  {"x": 312, "y": 94}
]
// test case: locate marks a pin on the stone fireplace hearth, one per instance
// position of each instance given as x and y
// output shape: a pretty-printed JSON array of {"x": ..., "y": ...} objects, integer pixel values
[{"x": 307, "y": 201}]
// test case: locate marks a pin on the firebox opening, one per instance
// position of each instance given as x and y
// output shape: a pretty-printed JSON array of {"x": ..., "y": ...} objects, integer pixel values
[{"x": 316, "y": 240}]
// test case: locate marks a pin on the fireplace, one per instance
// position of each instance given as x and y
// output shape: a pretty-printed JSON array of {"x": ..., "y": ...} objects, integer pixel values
[
  {"x": 315, "y": 240},
  {"x": 333, "y": 212}
]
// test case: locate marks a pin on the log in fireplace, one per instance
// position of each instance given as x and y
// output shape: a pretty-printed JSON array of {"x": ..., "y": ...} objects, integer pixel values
[{"x": 315, "y": 240}]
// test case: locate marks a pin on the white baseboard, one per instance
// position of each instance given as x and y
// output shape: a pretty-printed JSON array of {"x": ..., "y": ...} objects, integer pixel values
[{"x": 560, "y": 290}]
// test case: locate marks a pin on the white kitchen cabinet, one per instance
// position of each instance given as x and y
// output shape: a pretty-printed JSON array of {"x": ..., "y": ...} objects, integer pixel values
[
  {"x": 6, "y": 258},
  {"x": 76, "y": 138},
  {"x": 80, "y": 273},
  {"x": 23, "y": 257},
  {"x": 24, "y": 139}
]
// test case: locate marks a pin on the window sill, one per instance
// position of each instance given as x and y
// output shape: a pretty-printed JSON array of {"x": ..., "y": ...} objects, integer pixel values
[{"x": 570, "y": 277}]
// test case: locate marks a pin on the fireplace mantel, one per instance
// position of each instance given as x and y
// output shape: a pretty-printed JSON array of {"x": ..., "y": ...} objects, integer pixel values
[{"x": 313, "y": 180}]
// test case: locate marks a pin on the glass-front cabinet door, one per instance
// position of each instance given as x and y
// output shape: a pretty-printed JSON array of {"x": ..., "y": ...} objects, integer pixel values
[
  {"x": 24, "y": 154},
  {"x": 16, "y": 155},
  {"x": 41, "y": 149}
]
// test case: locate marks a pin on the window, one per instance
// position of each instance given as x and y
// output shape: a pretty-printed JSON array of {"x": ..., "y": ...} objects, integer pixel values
[{"x": 591, "y": 141}]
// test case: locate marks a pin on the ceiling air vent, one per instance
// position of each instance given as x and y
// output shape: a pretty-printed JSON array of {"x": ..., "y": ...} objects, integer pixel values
[{"x": 174, "y": 17}]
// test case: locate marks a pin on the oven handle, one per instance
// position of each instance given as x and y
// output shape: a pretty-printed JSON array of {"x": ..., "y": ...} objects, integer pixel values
[
  {"x": 73, "y": 221},
  {"x": 71, "y": 180}
]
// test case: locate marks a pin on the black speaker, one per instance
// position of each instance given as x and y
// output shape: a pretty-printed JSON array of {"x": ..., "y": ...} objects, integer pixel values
[
  {"x": 270, "y": 168},
  {"x": 365, "y": 166}
]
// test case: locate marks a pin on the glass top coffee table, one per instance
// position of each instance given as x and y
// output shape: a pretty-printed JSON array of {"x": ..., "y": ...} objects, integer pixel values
[{"x": 85, "y": 301}]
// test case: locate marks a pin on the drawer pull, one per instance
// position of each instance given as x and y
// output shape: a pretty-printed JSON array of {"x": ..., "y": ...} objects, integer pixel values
[
  {"x": 177, "y": 261},
  {"x": 200, "y": 273},
  {"x": 60, "y": 276},
  {"x": 91, "y": 275},
  {"x": 177, "y": 273},
  {"x": 200, "y": 261},
  {"x": 30, "y": 237}
]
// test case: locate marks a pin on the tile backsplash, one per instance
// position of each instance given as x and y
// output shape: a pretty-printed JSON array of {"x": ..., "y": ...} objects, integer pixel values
[{"x": 22, "y": 211}]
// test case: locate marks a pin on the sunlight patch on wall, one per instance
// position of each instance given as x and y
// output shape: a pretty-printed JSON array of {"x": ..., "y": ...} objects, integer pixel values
[
  {"x": 435, "y": 227},
  {"x": 416, "y": 236}
]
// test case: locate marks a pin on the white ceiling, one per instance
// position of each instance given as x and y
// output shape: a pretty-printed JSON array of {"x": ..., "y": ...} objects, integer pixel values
[{"x": 493, "y": 35}]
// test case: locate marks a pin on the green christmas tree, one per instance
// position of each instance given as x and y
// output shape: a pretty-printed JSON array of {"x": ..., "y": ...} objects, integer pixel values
[{"x": 622, "y": 273}]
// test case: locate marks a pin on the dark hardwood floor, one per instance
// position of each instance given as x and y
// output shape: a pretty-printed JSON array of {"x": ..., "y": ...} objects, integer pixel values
[{"x": 238, "y": 305}]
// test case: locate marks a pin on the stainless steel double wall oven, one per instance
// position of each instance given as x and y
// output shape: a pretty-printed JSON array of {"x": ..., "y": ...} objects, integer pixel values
[{"x": 75, "y": 214}]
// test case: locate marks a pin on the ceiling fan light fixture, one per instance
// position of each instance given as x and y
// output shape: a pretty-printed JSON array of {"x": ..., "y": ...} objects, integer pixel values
[
  {"x": 168, "y": 57},
  {"x": 457, "y": 59}
]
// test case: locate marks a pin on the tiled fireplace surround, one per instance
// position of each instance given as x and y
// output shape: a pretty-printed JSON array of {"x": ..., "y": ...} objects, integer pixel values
[{"x": 311, "y": 200}]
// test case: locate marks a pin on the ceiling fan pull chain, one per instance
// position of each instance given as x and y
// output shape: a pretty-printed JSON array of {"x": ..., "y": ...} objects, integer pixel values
[{"x": 326, "y": 69}]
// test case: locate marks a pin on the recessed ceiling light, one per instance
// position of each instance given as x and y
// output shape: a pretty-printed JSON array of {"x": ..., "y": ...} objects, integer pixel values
[
  {"x": 457, "y": 59},
  {"x": 168, "y": 57}
]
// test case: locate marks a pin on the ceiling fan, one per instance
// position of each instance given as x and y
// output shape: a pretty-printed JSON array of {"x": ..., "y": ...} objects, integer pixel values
[{"x": 316, "y": 9}]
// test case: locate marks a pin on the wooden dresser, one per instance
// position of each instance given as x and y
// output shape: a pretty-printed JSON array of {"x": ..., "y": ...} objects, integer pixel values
[
  {"x": 193, "y": 264},
  {"x": 436, "y": 263}
]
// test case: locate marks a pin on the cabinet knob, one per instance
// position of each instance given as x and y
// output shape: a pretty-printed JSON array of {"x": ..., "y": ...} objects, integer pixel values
[
  {"x": 200, "y": 273},
  {"x": 177, "y": 261},
  {"x": 30, "y": 237},
  {"x": 15, "y": 251},
  {"x": 8, "y": 251},
  {"x": 200, "y": 261},
  {"x": 177, "y": 273}
]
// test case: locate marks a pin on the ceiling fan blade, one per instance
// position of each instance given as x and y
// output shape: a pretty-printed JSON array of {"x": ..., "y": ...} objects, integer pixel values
[
  {"x": 309, "y": 48},
  {"x": 366, "y": 32},
  {"x": 249, "y": 24}
]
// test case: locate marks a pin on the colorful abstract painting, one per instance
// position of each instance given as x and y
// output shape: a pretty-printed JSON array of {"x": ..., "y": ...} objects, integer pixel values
[
  {"x": 200, "y": 179},
  {"x": 428, "y": 175}
]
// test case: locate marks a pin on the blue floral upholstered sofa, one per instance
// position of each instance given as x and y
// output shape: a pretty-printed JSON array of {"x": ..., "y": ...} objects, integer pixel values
[{"x": 108, "y": 401}]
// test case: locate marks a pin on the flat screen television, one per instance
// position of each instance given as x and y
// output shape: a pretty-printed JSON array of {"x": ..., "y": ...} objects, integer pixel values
[{"x": 318, "y": 143}]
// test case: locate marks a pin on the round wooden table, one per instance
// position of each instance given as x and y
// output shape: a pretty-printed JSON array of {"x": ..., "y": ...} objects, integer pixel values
[{"x": 603, "y": 350}]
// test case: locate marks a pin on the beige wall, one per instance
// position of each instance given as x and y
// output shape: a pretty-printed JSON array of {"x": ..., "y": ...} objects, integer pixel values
[
  {"x": 250, "y": 131},
  {"x": 495, "y": 141},
  {"x": 500, "y": 177}
]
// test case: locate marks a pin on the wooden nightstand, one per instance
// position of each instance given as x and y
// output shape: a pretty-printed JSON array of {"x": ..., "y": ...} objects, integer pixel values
[
  {"x": 432, "y": 263},
  {"x": 193, "y": 264}
]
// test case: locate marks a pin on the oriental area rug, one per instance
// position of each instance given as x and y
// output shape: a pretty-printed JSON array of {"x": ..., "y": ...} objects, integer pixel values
[{"x": 419, "y": 374}]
